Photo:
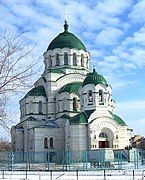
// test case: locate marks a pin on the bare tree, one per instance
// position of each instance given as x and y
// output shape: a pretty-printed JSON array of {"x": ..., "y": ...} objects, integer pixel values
[
  {"x": 5, "y": 145},
  {"x": 16, "y": 68}
]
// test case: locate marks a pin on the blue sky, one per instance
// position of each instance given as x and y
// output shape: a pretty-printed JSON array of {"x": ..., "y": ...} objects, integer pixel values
[{"x": 113, "y": 31}]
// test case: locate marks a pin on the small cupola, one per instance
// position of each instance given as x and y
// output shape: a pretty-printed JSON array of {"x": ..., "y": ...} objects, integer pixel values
[{"x": 94, "y": 78}]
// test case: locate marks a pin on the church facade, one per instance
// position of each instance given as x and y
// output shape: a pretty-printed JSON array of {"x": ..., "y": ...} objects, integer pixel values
[{"x": 69, "y": 108}]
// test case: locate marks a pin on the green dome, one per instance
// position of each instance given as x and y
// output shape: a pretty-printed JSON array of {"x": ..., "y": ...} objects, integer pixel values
[
  {"x": 37, "y": 91},
  {"x": 66, "y": 39},
  {"x": 71, "y": 87},
  {"x": 94, "y": 78}
]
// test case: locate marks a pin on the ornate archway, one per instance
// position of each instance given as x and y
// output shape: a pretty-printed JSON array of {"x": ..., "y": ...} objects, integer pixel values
[
  {"x": 103, "y": 131},
  {"x": 105, "y": 139}
]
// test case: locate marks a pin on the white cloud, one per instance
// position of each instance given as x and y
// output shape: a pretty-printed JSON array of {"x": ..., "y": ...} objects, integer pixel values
[
  {"x": 132, "y": 112},
  {"x": 113, "y": 7},
  {"x": 137, "y": 15},
  {"x": 108, "y": 36}
]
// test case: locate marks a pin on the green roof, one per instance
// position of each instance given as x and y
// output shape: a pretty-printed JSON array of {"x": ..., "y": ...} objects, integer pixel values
[
  {"x": 118, "y": 119},
  {"x": 37, "y": 91},
  {"x": 66, "y": 39},
  {"x": 65, "y": 116},
  {"x": 56, "y": 71},
  {"x": 94, "y": 78},
  {"x": 70, "y": 88},
  {"x": 80, "y": 118},
  {"x": 89, "y": 112}
]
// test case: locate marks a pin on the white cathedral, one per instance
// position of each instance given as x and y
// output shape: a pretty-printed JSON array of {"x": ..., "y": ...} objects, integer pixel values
[{"x": 69, "y": 108}]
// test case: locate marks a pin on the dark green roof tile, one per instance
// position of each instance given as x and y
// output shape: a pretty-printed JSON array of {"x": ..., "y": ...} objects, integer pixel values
[
  {"x": 80, "y": 118},
  {"x": 66, "y": 40},
  {"x": 59, "y": 71},
  {"x": 94, "y": 78},
  {"x": 89, "y": 112},
  {"x": 65, "y": 116},
  {"x": 70, "y": 88},
  {"x": 118, "y": 119},
  {"x": 37, "y": 91}
]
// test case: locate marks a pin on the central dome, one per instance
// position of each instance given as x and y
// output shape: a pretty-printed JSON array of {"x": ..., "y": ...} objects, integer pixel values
[{"x": 66, "y": 40}]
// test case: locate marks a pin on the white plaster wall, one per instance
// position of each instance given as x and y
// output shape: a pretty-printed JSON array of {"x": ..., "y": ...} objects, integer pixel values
[
  {"x": 56, "y": 133},
  {"x": 79, "y": 137}
]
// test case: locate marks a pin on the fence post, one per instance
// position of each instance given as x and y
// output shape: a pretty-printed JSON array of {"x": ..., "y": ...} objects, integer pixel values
[
  {"x": 51, "y": 174},
  {"x": 104, "y": 175},
  {"x": 77, "y": 173},
  {"x": 133, "y": 173},
  {"x": 26, "y": 173},
  {"x": 3, "y": 174}
]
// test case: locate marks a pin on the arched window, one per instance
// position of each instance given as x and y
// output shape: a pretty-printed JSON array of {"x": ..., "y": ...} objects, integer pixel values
[
  {"x": 51, "y": 143},
  {"x": 90, "y": 96},
  {"x": 57, "y": 60},
  {"x": 30, "y": 107},
  {"x": 103, "y": 135},
  {"x": 74, "y": 104},
  {"x": 65, "y": 59},
  {"x": 100, "y": 96},
  {"x": 45, "y": 143},
  {"x": 50, "y": 61},
  {"x": 40, "y": 107},
  {"x": 82, "y": 60},
  {"x": 74, "y": 59}
]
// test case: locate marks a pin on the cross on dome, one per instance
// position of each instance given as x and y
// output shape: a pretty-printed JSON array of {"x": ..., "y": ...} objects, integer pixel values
[{"x": 65, "y": 15}]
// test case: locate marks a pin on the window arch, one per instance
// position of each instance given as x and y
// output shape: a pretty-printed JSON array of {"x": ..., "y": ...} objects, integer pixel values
[
  {"x": 57, "y": 60},
  {"x": 101, "y": 94},
  {"x": 45, "y": 143},
  {"x": 82, "y": 60},
  {"x": 90, "y": 96},
  {"x": 103, "y": 135},
  {"x": 74, "y": 59},
  {"x": 51, "y": 143},
  {"x": 74, "y": 104},
  {"x": 65, "y": 59},
  {"x": 40, "y": 107}
]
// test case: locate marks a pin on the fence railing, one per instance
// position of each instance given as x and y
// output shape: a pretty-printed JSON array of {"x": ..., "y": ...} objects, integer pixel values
[
  {"x": 72, "y": 160},
  {"x": 74, "y": 175}
]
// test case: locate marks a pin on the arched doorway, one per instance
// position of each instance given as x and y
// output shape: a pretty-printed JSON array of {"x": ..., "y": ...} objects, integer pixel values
[{"x": 105, "y": 138}]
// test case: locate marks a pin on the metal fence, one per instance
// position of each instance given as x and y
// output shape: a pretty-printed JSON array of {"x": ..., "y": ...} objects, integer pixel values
[
  {"x": 73, "y": 160},
  {"x": 73, "y": 175}
]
